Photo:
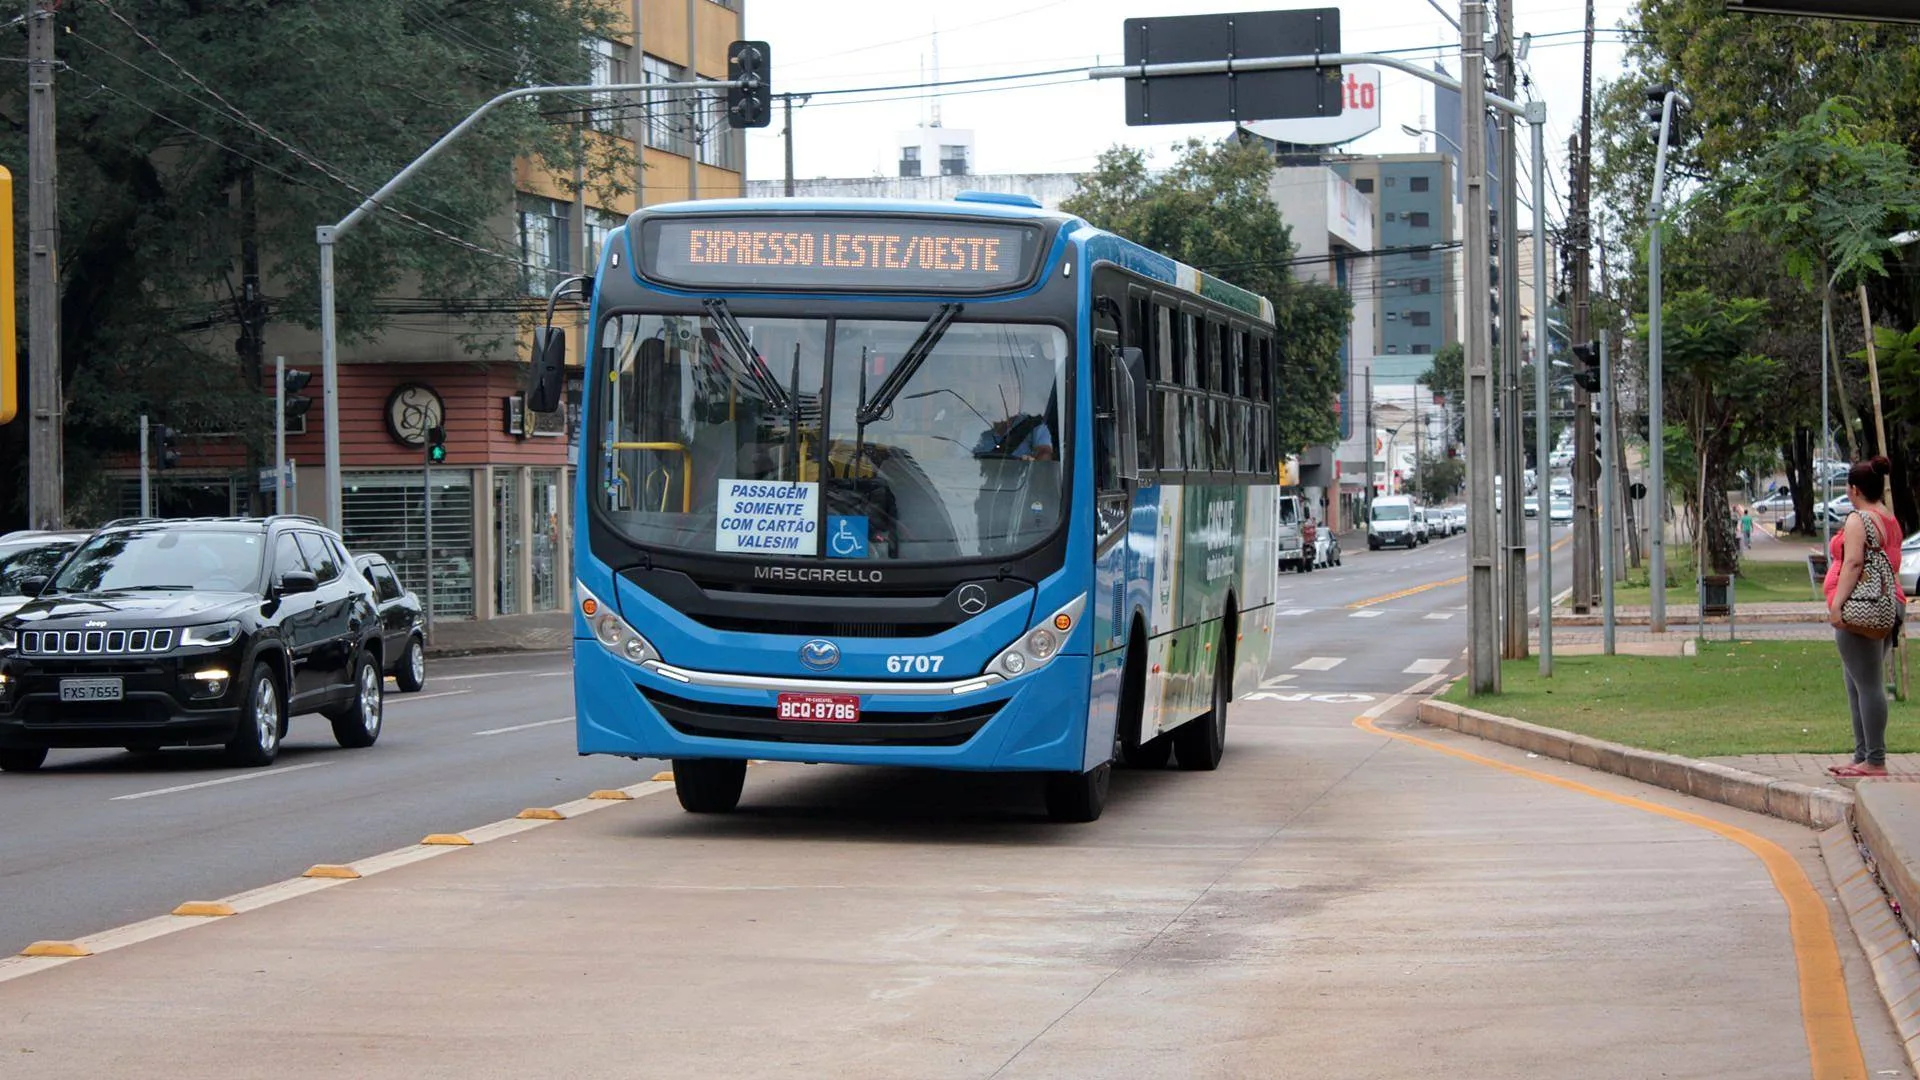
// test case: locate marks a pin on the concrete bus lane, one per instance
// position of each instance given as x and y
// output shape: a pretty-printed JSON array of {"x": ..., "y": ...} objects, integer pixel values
[
  {"x": 1332, "y": 902},
  {"x": 103, "y": 837}
]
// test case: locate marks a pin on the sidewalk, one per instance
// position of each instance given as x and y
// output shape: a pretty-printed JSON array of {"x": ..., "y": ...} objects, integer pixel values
[{"x": 507, "y": 633}]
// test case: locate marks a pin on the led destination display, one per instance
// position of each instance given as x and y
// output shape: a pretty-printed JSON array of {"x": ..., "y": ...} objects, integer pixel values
[{"x": 841, "y": 253}]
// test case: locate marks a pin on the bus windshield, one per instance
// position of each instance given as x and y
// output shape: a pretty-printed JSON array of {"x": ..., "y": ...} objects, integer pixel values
[{"x": 746, "y": 435}]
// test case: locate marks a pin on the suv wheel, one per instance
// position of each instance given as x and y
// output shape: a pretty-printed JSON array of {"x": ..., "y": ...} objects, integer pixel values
[
  {"x": 261, "y": 720},
  {"x": 358, "y": 724},
  {"x": 411, "y": 674}
]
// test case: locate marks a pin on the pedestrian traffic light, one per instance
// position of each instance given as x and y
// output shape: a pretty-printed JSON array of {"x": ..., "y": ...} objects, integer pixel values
[
  {"x": 166, "y": 451},
  {"x": 1586, "y": 366},
  {"x": 297, "y": 403},
  {"x": 750, "y": 104},
  {"x": 436, "y": 445}
]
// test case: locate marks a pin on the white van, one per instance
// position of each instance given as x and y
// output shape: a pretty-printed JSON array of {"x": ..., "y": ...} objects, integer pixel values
[
  {"x": 1392, "y": 524},
  {"x": 1286, "y": 533}
]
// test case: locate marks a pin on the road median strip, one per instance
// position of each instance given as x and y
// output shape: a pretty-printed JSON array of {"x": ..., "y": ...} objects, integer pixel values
[{"x": 45, "y": 955}]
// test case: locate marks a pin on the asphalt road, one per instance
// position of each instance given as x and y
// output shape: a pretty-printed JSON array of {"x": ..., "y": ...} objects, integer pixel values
[
  {"x": 1349, "y": 895},
  {"x": 99, "y": 838}
]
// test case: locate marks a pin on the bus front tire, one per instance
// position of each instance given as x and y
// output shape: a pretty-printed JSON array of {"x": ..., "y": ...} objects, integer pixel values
[
  {"x": 1078, "y": 797},
  {"x": 708, "y": 785}
]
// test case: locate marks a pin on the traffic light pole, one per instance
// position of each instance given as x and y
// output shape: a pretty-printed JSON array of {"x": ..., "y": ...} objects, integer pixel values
[
  {"x": 328, "y": 236},
  {"x": 1540, "y": 389},
  {"x": 1513, "y": 444},
  {"x": 1609, "y": 497},
  {"x": 279, "y": 434},
  {"x": 426, "y": 505}
]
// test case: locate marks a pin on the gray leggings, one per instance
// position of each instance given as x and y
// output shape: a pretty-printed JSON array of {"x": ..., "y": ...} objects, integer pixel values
[{"x": 1864, "y": 660}]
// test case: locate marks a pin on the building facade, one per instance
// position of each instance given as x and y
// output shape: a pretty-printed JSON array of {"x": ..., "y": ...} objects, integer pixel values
[
  {"x": 1414, "y": 278},
  {"x": 499, "y": 503}
]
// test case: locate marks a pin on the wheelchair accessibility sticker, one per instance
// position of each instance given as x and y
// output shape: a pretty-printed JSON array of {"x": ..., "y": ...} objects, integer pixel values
[{"x": 846, "y": 536}]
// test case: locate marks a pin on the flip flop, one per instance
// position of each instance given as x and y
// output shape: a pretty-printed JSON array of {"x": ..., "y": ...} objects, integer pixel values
[{"x": 1856, "y": 771}]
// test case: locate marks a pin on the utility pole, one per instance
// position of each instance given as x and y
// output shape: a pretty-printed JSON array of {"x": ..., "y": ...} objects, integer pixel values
[
  {"x": 146, "y": 477},
  {"x": 1513, "y": 443},
  {"x": 46, "y": 467},
  {"x": 1483, "y": 657},
  {"x": 786, "y": 101},
  {"x": 1585, "y": 466},
  {"x": 1368, "y": 498},
  {"x": 1629, "y": 535}
]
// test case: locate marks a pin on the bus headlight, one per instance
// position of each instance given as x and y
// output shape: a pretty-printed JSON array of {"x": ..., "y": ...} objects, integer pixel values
[
  {"x": 1041, "y": 643},
  {"x": 612, "y": 631}
]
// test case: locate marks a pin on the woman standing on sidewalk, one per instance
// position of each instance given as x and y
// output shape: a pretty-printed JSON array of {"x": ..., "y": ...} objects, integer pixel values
[{"x": 1863, "y": 658}]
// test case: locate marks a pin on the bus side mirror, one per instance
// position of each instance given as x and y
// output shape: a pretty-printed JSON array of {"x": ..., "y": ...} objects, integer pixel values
[{"x": 548, "y": 370}]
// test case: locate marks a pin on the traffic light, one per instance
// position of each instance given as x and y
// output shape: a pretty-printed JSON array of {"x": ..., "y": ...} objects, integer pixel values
[
  {"x": 749, "y": 105},
  {"x": 1586, "y": 366},
  {"x": 297, "y": 403},
  {"x": 436, "y": 445},
  {"x": 166, "y": 450}
]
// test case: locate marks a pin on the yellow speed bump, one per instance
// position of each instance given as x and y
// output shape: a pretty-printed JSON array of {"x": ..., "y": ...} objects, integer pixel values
[
  {"x": 666, "y": 775},
  {"x": 331, "y": 870},
  {"x": 448, "y": 839},
  {"x": 56, "y": 948},
  {"x": 540, "y": 813},
  {"x": 205, "y": 908},
  {"x": 612, "y": 793}
]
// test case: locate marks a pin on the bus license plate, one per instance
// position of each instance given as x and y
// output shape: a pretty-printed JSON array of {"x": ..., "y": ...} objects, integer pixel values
[
  {"x": 89, "y": 689},
  {"x": 819, "y": 708}
]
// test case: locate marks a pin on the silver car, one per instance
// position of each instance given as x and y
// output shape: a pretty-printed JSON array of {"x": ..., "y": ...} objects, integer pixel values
[{"x": 25, "y": 556}]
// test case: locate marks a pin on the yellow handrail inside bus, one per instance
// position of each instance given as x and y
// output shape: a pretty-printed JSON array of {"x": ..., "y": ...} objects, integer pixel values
[{"x": 686, "y": 467}]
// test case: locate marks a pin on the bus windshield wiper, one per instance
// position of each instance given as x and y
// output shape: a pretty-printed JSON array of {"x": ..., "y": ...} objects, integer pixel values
[
  {"x": 736, "y": 340},
  {"x": 916, "y": 355}
]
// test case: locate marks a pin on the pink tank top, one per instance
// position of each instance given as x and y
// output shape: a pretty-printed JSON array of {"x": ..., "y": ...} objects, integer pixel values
[{"x": 1889, "y": 542}]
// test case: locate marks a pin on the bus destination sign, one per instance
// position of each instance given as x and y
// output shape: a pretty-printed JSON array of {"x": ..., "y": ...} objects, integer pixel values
[{"x": 931, "y": 255}]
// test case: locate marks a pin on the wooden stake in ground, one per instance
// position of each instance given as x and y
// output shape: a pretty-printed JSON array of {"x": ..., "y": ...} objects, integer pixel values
[{"x": 1880, "y": 441}]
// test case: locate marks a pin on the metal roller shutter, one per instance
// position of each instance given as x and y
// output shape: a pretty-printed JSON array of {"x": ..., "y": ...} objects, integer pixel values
[{"x": 383, "y": 513}]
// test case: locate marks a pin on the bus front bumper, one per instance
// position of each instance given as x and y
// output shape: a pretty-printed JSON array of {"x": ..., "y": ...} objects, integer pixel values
[{"x": 1034, "y": 722}]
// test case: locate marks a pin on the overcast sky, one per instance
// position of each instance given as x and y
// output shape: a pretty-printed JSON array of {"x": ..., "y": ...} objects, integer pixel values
[{"x": 1061, "y": 123}]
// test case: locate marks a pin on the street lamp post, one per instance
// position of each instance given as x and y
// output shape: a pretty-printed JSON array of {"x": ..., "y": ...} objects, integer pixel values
[{"x": 1656, "y": 422}]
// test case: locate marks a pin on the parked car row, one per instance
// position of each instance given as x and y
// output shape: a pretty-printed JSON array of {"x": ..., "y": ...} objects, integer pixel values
[
  {"x": 198, "y": 632},
  {"x": 1398, "y": 522}
]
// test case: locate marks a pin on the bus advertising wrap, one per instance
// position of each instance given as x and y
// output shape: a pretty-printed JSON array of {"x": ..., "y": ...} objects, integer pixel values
[{"x": 922, "y": 255}]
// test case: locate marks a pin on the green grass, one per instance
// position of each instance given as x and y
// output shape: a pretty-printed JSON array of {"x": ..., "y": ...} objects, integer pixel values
[
  {"x": 1761, "y": 697},
  {"x": 1757, "y": 583}
]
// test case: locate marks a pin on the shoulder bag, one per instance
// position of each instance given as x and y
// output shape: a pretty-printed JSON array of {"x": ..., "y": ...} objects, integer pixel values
[{"x": 1872, "y": 610}]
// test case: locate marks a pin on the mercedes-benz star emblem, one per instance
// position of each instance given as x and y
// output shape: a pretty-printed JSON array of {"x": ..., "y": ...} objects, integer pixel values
[
  {"x": 819, "y": 655},
  {"x": 973, "y": 599}
]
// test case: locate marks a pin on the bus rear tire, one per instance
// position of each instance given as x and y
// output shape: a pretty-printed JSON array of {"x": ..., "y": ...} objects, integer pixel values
[
  {"x": 708, "y": 785},
  {"x": 1200, "y": 742},
  {"x": 1078, "y": 797}
]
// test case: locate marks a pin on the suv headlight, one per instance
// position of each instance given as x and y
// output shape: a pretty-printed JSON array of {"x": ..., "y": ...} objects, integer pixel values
[
  {"x": 612, "y": 631},
  {"x": 1040, "y": 644},
  {"x": 220, "y": 633}
]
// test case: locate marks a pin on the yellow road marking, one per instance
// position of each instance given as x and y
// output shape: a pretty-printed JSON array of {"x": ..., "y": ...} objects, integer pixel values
[
  {"x": 1403, "y": 593},
  {"x": 1832, "y": 1042}
]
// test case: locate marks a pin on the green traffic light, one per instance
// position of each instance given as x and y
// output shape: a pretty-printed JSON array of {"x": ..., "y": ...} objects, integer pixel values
[{"x": 437, "y": 454}]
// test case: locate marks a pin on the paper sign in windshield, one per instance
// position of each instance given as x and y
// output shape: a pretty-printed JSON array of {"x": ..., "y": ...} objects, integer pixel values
[{"x": 768, "y": 517}]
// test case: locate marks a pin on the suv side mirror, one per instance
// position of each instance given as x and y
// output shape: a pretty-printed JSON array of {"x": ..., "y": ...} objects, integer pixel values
[
  {"x": 294, "y": 582},
  {"x": 31, "y": 586},
  {"x": 548, "y": 369}
]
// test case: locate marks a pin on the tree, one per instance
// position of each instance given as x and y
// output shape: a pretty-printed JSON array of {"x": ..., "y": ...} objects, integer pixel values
[
  {"x": 201, "y": 143},
  {"x": 1448, "y": 372},
  {"x": 1440, "y": 478},
  {"x": 1211, "y": 211}
]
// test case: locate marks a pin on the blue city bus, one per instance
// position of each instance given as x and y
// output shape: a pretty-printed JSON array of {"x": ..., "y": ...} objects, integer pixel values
[{"x": 959, "y": 485}]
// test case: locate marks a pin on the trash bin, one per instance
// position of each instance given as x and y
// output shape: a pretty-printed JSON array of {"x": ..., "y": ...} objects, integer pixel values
[
  {"x": 1817, "y": 569},
  {"x": 1716, "y": 599}
]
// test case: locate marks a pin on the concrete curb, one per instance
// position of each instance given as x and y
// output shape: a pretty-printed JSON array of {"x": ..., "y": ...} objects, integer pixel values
[
  {"x": 1760, "y": 794},
  {"x": 1878, "y": 818},
  {"x": 1717, "y": 622},
  {"x": 1882, "y": 936}
]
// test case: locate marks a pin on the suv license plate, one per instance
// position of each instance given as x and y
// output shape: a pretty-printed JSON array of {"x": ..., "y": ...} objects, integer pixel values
[
  {"x": 818, "y": 708},
  {"x": 89, "y": 689}
]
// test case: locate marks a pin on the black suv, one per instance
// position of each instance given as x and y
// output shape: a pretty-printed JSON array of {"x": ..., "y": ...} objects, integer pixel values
[{"x": 200, "y": 631}]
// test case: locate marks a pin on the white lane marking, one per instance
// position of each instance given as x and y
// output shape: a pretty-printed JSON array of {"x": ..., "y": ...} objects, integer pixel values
[
  {"x": 492, "y": 675},
  {"x": 1277, "y": 680},
  {"x": 523, "y": 727},
  {"x": 1439, "y": 614},
  {"x": 399, "y": 699},
  {"x": 1367, "y": 613},
  {"x": 1389, "y": 704},
  {"x": 1296, "y": 696},
  {"x": 1295, "y": 611},
  {"x": 1424, "y": 667},
  {"x": 236, "y": 778},
  {"x": 1320, "y": 663},
  {"x": 551, "y": 675}
]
